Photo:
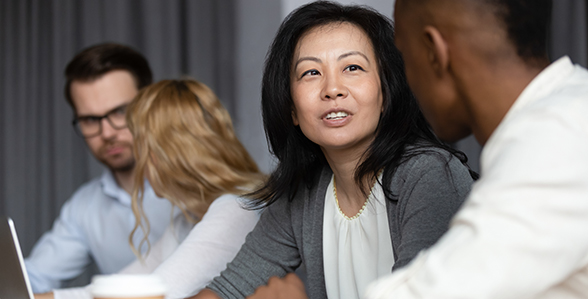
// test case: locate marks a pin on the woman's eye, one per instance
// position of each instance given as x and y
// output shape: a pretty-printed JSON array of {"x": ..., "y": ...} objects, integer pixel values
[
  {"x": 354, "y": 67},
  {"x": 311, "y": 73}
]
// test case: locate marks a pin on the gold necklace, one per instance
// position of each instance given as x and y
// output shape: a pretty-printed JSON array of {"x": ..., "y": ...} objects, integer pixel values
[{"x": 360, "y": 210}]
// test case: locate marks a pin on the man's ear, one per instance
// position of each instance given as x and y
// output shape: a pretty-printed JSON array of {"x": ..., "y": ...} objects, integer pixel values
[{"x": 437, "y": 50}]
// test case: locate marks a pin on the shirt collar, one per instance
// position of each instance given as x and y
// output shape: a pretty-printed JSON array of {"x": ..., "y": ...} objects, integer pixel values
[{"x": 111, "y": 188}]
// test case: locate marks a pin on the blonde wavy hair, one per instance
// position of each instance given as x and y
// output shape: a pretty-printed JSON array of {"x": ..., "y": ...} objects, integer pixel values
[{"x": 186, "y": 146}]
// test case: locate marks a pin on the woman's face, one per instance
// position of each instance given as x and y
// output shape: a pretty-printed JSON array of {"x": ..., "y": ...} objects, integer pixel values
[{"x": 335, "y": 87}]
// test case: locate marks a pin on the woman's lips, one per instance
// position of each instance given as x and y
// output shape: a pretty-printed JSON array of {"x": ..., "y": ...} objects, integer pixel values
[
  {"x": 336, "y": 118},
  {"x": 336, "y": 115}
]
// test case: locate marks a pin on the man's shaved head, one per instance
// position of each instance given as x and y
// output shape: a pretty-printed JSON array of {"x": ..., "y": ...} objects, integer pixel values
[
  {"x": 457, "y": 51},
  {"x": 525, "y": 22}
]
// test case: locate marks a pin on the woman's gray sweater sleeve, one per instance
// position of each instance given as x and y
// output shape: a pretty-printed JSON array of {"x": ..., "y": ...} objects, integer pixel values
[
  {"x": 430, "y": 190},
  {"x": 269, "y": 250}
]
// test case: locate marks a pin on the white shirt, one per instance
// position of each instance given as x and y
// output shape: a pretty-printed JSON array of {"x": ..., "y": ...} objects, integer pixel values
[
  {"x": 187, "y": 258},
  {"x": 523, "y": 231},
  {"x": 355, "y": 251},
  {"x": 95, "y": 223}
]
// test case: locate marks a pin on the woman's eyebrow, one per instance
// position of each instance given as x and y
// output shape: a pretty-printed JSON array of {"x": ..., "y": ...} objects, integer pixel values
[
  {"x": 307, "y": 58},
  {"x": 351, "y": 54},
  {"x": 342, "y": 56}
]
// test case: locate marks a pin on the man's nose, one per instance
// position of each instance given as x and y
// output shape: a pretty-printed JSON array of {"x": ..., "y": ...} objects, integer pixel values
[{"x": 108, "y": 132}]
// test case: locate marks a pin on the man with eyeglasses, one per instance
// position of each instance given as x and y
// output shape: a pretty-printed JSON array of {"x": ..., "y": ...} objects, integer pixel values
[{"x": 95, "y": 224}]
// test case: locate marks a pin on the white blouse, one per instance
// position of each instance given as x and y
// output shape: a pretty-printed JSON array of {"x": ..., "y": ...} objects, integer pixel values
[{"x": 356, "y": 251}]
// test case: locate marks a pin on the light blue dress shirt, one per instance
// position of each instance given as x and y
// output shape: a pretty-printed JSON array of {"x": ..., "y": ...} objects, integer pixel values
[{"x": 95, "y": 223}]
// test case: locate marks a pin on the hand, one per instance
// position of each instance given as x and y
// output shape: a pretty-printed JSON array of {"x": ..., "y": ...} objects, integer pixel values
[
  {"x": 289, "y": 287},
  {"x": 44, "y": 296}
]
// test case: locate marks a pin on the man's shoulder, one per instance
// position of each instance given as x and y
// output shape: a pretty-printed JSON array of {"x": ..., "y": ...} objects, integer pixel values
[
  {"x": 563, "y": 106},
  {"x": 83, "y": 203},
  {"x": 551, "y": 130},
  {"x": 89, "y": 191},
  {"x": 570, "y": 97},
  {"x": 565, "y": 109}
]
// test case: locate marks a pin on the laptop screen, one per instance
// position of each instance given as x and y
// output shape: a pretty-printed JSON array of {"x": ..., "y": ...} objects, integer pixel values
[{"x": 14, "y": 282}]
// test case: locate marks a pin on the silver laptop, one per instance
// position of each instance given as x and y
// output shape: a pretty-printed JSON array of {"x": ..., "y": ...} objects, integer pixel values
[{"x": 14, "y": 281}]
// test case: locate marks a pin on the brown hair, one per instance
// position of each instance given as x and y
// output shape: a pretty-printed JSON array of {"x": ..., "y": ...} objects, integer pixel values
[
  {"x": 186, "y": 146},
  {"x": 95, "y": 61}
]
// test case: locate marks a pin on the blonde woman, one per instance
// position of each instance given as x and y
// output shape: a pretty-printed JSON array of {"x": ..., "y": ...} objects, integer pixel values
[{"x": 186, "y": 146}]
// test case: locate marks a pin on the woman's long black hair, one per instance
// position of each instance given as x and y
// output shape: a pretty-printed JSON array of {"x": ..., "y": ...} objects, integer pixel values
[{"x": 402, "y": 130}]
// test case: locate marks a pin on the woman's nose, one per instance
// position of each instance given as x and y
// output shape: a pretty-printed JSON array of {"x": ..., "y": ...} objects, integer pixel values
[{"x": 333, "y": 88}]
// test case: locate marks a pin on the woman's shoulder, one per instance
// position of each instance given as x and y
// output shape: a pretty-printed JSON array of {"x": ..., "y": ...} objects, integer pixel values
[
  {"x": 228, "y": 197},
  {"x": 416, "y": 156},
  {"x": 229, "y": 208},
  {"x": 307, "y": 199},
  {"x": 433, "y": 163},
  {"x": 230, "y": 205},
  {"x": 229, "y": 200}
]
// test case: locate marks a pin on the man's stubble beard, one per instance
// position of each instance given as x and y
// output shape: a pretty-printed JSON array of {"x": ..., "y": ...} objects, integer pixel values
[
  {"x": 125, "y": 166},
  {"x": 128, "y": 167}
]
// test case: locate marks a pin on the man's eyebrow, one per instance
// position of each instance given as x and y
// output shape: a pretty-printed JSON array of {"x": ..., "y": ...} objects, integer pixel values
[
  {"x": 109, "y": 111},
  {"x": 307, "y": 58},
  {"x": 353, "y": 53}
]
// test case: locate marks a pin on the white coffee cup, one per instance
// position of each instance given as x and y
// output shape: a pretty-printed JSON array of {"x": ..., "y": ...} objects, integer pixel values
[{"x": 123, "y": 286}]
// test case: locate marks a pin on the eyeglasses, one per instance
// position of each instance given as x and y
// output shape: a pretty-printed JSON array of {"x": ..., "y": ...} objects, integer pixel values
[{"x": 90, "y": 126}]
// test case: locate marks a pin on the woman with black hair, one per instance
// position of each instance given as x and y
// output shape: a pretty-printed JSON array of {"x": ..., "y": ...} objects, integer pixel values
[{"x": 362, "y": 184}]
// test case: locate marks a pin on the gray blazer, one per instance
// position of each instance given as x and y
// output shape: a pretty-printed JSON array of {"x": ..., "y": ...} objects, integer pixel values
[{"x": 429, "y": 189}]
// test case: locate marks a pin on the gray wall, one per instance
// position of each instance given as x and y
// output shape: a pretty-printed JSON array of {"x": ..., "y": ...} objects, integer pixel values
[
  {"x": 385, "y": 7},
  {"x": 569, "y": 32},
  {"x": 253, "y": 37}
]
